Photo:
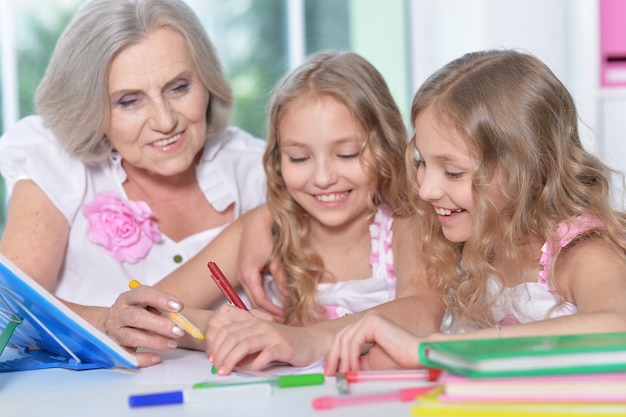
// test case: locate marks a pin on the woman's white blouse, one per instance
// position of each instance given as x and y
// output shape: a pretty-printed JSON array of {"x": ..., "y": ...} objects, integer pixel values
[{"x": 230, "y": 172}]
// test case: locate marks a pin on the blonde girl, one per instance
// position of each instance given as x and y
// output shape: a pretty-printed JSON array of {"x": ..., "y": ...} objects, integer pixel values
[{"x": 334, "y": 165}]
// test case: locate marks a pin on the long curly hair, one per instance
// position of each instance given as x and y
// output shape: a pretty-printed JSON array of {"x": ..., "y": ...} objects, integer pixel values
[
  {"x": 521, "y": 122},
  {"x": 353, "y": 81}
]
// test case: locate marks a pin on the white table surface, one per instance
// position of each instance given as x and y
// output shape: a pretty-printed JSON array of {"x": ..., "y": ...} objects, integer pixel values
[{"x": 105, "y": 392}]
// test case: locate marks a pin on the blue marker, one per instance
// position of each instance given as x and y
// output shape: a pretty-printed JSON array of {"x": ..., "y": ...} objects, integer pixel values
[{"x": 234, "y": 392}]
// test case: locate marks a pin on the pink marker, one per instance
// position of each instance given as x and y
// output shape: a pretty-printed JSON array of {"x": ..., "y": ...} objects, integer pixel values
[{"x": 333, "y": 401}]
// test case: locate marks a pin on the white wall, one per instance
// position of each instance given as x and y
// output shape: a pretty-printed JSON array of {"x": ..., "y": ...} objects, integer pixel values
[{"x": 562, "y": 33}]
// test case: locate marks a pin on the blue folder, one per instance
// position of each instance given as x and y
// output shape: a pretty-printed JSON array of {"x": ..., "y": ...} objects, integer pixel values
[{"x": 42, "y": 332}]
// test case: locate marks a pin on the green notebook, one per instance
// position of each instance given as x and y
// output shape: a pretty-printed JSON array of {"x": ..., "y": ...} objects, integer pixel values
[{"x": 523, "y": 356}]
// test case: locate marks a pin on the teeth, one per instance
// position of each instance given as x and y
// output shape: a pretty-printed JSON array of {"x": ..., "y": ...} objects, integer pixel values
[
  {"x": 445, "y": 212},
  {"x": 165, "y": 142},
  {"x": 331, "y": 198}
]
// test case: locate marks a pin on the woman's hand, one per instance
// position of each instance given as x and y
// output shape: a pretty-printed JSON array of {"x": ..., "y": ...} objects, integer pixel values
[
  {"x": 390, "y": 346},
  {"x": 235, "y": 337},
  {"x": 134, "y": 321},
  {"x": 254, "y": 252}
]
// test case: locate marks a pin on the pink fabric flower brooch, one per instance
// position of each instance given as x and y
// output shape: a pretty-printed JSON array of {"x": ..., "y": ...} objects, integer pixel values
[{"x": 125, "y": 229}]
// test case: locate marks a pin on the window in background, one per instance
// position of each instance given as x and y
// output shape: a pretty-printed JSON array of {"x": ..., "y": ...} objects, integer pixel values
[
  {"x": 250, "y": 39},
  {"x": 255, "y": 41},
  {"x": 28, "y": 33},
  {"x": 258, "y": 41}
]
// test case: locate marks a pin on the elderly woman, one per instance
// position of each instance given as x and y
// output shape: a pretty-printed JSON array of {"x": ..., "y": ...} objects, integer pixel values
[{"x": 130, "y": 167}]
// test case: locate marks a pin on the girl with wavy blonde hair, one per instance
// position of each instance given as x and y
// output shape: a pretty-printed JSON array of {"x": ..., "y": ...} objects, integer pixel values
[
  {"x": 351, "y": 82},
  {"x": 520, "y": 123}
]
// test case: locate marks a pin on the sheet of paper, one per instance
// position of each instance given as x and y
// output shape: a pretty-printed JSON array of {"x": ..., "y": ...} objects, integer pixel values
[
  {"x": 277, "y": 369},
  {"x": 181, "y": 366}
]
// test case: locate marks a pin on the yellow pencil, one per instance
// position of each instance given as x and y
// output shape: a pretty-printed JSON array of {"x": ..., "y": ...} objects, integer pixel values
[{"x": 177, "y": 318}]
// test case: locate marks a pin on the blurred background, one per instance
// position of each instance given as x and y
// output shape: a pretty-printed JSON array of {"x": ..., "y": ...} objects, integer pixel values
[{"x": 258, "y": 41}]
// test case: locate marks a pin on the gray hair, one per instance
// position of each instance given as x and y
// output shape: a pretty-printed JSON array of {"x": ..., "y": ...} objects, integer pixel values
[{"x": 73, "y": 96}]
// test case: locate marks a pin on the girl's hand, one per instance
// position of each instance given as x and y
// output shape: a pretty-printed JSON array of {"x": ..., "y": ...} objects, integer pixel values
[
  {"x": 390, "y": 346},
  {"x": 254, "y": 251},
  {"x": 235, "y": 337},
  {"x": 133, "y": 321}
]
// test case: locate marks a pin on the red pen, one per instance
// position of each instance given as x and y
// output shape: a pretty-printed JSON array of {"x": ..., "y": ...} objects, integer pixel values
[
  {"x": 225, "y": 287},
  {"x": 393, "y": 375}
]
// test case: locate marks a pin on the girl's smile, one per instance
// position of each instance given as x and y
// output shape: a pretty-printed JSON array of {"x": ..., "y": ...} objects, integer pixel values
[
  {"x": 445, "y": 175},
  {"x": 321, "y": 161}
]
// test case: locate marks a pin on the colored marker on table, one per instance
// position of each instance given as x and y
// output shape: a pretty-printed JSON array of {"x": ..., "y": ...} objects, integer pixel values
[
  {"x": 393, "y": 375},
  {"x": 177, "y": 318},
  {"x": 345, "y": 379},
  {"x": 282, "y": 381},
  {"x": 249, "y": 392},
  {"x": 333, "y": 401}
]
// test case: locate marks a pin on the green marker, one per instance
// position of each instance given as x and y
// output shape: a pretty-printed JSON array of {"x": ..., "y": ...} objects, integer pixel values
[{"x": 282, "y": 381}]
